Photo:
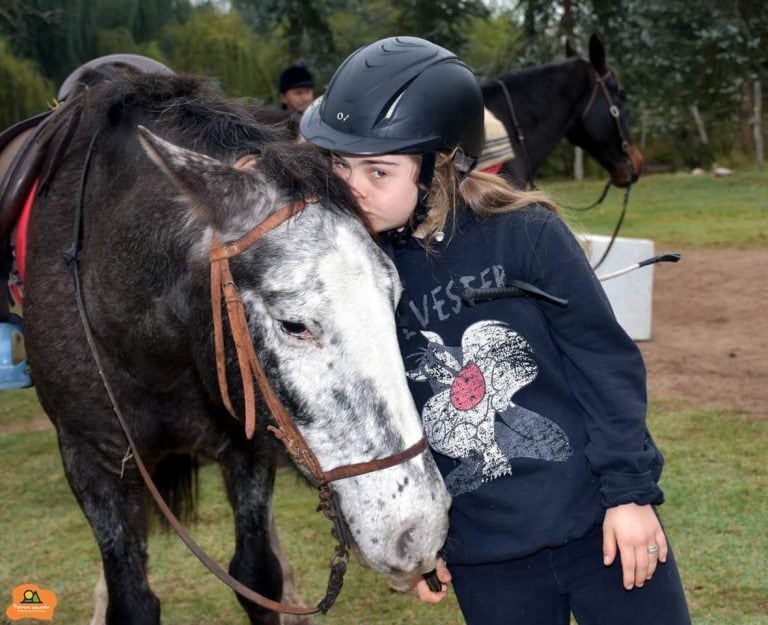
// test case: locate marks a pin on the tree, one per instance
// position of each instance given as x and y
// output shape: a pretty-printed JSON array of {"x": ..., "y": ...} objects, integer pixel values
[
  {"x": 23, "y": 92},
  {"x": 303, "y": 24},
  {"x": 444, "y": 22},
  {"x": 222, "y": 46}
]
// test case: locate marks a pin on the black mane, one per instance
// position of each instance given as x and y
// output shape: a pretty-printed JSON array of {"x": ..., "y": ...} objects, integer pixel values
[{"x": 187, "y": 111}]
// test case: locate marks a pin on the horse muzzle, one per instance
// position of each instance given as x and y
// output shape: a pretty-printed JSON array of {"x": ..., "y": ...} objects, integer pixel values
[{"x": 629, "y": 168}]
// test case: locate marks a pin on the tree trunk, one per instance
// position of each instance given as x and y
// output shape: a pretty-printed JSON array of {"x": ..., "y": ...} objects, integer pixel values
[
  {"x": 757, "y": 126},
  {"x": 578, "y": 163},
  {"x": 745, "y": 119},
  {"x": 567, "y": 21},
  {"x": 699, "y": 124},
  {"x": 643, "y": 128}
]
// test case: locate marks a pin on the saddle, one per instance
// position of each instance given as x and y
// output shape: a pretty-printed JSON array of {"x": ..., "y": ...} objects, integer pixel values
[
  {"x": 22, "y": 150},
  {"x": 25, "y": 146}
]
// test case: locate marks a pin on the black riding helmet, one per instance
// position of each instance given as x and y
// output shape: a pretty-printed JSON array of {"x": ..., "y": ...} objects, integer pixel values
[{"x": 401, "y": 95}]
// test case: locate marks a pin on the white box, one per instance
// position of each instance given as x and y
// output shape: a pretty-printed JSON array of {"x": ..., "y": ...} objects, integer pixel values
[{"x": 630, "y": 294}]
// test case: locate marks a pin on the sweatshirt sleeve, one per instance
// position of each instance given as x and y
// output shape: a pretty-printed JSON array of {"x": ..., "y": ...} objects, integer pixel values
[{"x": 603, "y": 366}]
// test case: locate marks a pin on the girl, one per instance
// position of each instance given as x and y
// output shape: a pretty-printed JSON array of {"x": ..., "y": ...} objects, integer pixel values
[{"x": 534, "y": 407}]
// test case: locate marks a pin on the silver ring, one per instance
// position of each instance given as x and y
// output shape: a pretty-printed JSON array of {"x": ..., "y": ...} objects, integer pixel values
[{"x": 653, "y": 550}]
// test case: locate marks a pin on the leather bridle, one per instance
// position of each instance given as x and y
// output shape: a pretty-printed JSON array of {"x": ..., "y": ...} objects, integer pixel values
[
  {"x": 222, "y": 285},
  {"x": 612, "y": 108}
]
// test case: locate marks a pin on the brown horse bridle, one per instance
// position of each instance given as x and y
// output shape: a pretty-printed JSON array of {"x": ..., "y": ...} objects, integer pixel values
[
  {"x": 223, "y": 287},
  {"x": 222, "y": 284},
  {"x": 612, "y": 108}
]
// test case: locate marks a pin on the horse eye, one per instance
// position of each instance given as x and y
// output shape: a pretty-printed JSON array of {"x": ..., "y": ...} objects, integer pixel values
[{"x": 294, "y": 328}]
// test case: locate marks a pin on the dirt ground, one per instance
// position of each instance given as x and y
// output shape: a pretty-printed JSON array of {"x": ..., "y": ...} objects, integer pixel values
[{"x": 709, "y": 330}]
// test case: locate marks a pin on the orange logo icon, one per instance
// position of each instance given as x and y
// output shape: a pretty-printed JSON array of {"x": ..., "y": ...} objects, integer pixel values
[{"x": 30, "y": 601}]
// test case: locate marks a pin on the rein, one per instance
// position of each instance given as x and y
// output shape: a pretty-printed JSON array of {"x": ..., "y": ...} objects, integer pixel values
[
  {"x": 518, "y": 134},
  {"x": 616, "y": 115},
  {"x": 222, "y": 285}
]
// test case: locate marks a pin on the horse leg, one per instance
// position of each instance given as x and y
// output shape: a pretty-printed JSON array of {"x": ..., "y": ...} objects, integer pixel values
[
  {"x": 115, "y": 508},
  {"x": 290, "y": 594},
  {"x": 100, "y": 601},
  {"x": 249, "y": 478}
]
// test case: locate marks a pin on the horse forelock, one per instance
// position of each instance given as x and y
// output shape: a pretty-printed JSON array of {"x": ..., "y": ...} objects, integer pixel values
[{"x": 303, "y": 172}]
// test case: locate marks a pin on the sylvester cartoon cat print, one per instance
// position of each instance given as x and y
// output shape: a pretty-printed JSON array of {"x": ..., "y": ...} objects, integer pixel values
[{"x": 473, "y": 385}]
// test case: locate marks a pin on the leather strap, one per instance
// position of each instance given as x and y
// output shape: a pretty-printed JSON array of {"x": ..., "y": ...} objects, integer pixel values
[{"x": 222, "y": 285}]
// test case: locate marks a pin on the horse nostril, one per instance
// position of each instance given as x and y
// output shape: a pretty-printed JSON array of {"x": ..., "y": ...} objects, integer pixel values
[{"x": 404, "y": 543}]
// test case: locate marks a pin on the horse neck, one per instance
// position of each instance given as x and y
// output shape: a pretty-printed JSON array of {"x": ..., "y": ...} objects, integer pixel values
[{"x": 548, "y": 101}]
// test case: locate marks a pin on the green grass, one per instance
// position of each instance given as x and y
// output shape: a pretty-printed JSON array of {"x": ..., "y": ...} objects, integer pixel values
[
  {"x": 715, "y": 483},
  {"x": 675, "y": 209}
]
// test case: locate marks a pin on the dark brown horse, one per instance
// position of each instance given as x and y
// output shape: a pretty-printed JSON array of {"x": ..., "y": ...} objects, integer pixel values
[{"x": 578, "y": 99}]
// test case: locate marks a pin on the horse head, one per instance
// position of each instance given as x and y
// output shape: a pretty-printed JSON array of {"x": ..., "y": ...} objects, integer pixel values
[
  {"x": 603, "y": 127},
  {"x": 319, "y": 297}
]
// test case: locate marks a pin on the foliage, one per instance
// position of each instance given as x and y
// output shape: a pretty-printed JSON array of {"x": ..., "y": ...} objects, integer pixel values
[
  {"x": 222, "y": 46},
  {"x": 670, "y": 54},
  {"x": 493, "y": 44},
  {"x": 441, "y": 21},
  {"x": 302, "y": 23},
  {"x": 24, "y": 91}
]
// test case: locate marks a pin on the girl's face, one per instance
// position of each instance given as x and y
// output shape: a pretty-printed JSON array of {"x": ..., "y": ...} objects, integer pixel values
[{"x": 385, "y": 186}]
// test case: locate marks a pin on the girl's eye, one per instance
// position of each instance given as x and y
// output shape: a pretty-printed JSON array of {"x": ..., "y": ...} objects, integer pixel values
[
  {"x": 377, "y": 173},
  {"x": 338, "y": 164},
  {"x": 296, "y": 329}
]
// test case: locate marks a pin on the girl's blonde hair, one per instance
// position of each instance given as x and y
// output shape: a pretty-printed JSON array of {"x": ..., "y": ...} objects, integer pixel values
[{"x": 484, "y": 194}]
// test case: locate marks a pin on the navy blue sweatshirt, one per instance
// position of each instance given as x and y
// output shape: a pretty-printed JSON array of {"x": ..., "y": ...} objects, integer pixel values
[{"x": 535, "y": 414}]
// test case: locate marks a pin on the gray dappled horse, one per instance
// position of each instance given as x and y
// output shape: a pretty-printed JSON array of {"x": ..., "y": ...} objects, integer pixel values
[{"x": 319, "y": 297}]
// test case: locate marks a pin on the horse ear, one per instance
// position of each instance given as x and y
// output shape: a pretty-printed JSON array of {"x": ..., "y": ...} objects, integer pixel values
[
  {"x": 570, "y": 51},
  {"x": 216, "y": 191},
  {"x": 597, "y": 54}
]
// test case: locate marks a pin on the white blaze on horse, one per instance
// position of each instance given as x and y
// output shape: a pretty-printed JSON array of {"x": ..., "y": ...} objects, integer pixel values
[{"x": 317, "y": 295}]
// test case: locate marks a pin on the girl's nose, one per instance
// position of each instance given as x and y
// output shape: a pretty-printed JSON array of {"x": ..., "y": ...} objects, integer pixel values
[{"x": 356, "y": 182}]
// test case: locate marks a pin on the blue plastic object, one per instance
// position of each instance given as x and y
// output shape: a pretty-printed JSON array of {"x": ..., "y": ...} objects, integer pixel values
[{"x": 14, "y": 372}]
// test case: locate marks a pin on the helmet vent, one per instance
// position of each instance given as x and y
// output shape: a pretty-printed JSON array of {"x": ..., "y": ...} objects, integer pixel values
[
  {"x": 388, "y": 111},
  {"x": 391, "y": 109}
]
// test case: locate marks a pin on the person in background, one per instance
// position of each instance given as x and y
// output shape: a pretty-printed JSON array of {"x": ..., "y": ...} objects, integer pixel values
[
  {"x": 297, "y": 88},
  {"x": 533, "y": 399}
]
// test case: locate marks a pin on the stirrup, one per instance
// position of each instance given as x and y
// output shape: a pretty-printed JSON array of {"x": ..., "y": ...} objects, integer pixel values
[{"x": 14, "y": 371}]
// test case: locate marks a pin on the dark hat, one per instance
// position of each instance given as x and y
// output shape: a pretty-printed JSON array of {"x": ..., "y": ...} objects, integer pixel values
[{"x": 293, "y": 77}]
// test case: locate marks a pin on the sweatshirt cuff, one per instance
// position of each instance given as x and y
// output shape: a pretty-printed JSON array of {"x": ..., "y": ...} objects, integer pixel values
[{"x": 621, "y": 488}]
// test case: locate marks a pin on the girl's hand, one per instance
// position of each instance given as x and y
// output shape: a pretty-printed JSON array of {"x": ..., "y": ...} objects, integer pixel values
[
  {"x": 422, "y": 589},
  {"x": 636, "y": 532}
]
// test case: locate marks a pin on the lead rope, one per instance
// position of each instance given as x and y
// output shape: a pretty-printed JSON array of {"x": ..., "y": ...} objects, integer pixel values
[
  {"x": 519, "y": 135},
  {"x": 615, "y": 113}
]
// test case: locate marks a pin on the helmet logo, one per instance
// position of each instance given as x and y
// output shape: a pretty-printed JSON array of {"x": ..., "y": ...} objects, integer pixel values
[{"x": 342, "y": 117}]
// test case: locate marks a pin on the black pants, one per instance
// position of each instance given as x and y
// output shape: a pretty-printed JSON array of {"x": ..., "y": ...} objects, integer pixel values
[{"x": 545, "y": 588}]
